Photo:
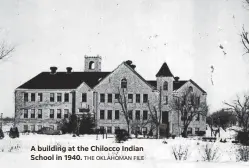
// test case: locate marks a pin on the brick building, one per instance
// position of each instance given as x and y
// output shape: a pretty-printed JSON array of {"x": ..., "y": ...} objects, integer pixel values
[{"x": 51, "y": 96}]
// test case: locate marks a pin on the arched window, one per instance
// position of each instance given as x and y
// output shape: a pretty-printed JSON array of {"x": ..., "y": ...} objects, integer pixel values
[
  {"x": 124, "y": 83},
  {"x": 165, "y": 85},
  {"x": 91, "y": 65},
  {"x": 190, "y": 89}
]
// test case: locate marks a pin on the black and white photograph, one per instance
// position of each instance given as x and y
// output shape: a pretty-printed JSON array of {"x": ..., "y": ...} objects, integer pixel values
[{"x": 124, "y": 83}]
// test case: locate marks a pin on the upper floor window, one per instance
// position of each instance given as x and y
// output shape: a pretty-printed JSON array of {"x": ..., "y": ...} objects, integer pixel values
[
  {"x": 102, "y": 98},
  {"x": 51, "y": 113},
  {"x": 116, "y": 114},
  {"x": 165, "y": 85},
  {"x": 39, "y": 113},
  {"x": 40, "y": 97},
  {"x": 66, "y": 97},
  {"x": 130, "y": 114},
  {"x": 59, "y": 97},
  {"x": 109, "y": 98},
  {"x": 130, "y": 98},
  {"x": 166, "y": 100},
  {"x": 26, "y": 97},
  {"x": 25, "y": 113},
  {"x": 84, "y": 97},
  {"x": 51, "y": 97},
  {"x": 66, "y": 113},
  {"x": 124, "y": 83},
  {"x": 137, "y": 98},
  {"x": 145, "y": 115},
  {"x": 109, "y": 114},
  {"x": 102, "y": 114},
  {"x": 116, "y": 98},
  {"x": 32, "y": 96},
  {"x": 145, "y": 98},
  {"x": 190, "y": 89},
  {"x": 137, "y": 115},
  {"x": 32, "y": 113},
  {"x": 91, "y": 65},
  {"x": 58, "y": 113}
]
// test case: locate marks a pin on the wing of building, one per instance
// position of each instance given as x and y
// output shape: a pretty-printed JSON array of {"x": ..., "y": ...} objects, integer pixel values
[{"x": 50, "y": 97}]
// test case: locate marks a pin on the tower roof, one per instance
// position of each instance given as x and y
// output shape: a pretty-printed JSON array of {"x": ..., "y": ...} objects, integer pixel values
[{"x": 164, "y": 71}]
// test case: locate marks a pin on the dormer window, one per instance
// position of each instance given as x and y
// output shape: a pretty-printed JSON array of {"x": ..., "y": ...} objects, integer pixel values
[
  {"x": 124, "y": 83},
  {"x": 165, "y": 85}
]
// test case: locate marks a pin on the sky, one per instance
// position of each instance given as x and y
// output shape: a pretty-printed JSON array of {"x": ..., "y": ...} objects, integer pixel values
[{"x": 186, "y": 34}]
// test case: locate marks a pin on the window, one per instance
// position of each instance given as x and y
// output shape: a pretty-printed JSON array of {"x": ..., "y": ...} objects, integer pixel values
[
  {"x": 58, "y": 113},
  {"x": 32, "y": 128},
  {"x": 51, "y": 113},
  {"x": 39, "y": 113},
  {"x": 124, "y": 83},
  {"x": 190, "y": 89},
  {"x": 40, "y": 97},
  {"x": 102, "y": 98},
  {"x": 137, "y": 115},
  {"x": 66, "y": 113},
  {"x": 52, "y": 127},
  {"x": 130, "y": 98},
  {"x": 32, "y": 113},
  {"x": 26, "y": 97},
  {"x": 165, "y": 85},
  {"x": 109, "y": 130},
  {"x": 116, "y": 114},
  {"x": 130, "y": 114},
  {"x": 91, "y": 65},
  {"x": 39, "y": 127},
  {"x": 116, "y": 98},
  {"x": 109, "y": 116},
  {"x": 145, "y": 115},
  {"x": 197, "y": 130},
  {"x": 165, "y": 99},
  {"x": 189, "y": 131},
  {"x": 145, "y": 98},
  {"x": 33, "y": 97},
  {"x": 109, "y": 100},
  {"x": 84, "y": 97},
  {"x": 25, "y": 127},
  {"x": 25, "y": 113},
  {"x": 51, "y": 97},
  {"x": 102, "y": 114},
  {"x": 137, "y": 98},
  {"x": 116, "y": 129},
  {"x": 66, "y": 97},
  {"x": 58, "y": 97}
]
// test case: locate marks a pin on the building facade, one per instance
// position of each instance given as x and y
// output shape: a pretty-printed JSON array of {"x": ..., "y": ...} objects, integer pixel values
[{"x": 52, "y": 96}]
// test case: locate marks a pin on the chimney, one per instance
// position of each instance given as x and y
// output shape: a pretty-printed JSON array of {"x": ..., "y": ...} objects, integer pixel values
[
  {"x": 69, "y": 70},
  {"x": 53, "y": 70},
  {"x": 177, "y": 79}
]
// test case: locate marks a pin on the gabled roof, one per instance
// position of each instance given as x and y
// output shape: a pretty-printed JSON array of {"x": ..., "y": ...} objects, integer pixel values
[
  {"x": 197, "y": 86},
  {"x": 164, "y": 71},
  {"x": 64, "y": 80}
]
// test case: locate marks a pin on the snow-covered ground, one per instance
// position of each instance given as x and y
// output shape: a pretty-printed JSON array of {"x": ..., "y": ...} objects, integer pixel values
[{"x": 17, "y": 152}]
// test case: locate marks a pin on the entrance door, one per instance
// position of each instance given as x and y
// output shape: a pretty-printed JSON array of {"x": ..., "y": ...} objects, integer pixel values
[{"x": 164, "y": 129}]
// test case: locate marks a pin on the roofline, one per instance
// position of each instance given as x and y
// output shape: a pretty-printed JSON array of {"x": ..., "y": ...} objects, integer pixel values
[
  {"x": 190, "y": 80},
  {"x": 85, "y": 84},
  {"x": 23, "y": 89},
  {"x": 131, "y": 70}
]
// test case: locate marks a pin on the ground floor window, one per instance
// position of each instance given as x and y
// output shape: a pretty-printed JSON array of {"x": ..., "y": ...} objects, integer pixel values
[
  {"x": 52, "y": 127},
  {"x": 25, "y": 127},
  {"x": 39, "y": 127},
  {"x": 109, "y": 130},
  {"x": 189, "y": 131},
  {"x": 32, "y": 128},
  {"x": 116, "y": 128},
  {"x": 197, "y": 130}
]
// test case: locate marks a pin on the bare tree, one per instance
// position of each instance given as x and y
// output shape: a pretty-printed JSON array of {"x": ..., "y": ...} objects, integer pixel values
[
  {"x": 189, "y": 106},
  {"x": 5, "y": 50},
  {"x": 122, "y": 100},
  {"x": 245, "y": 40},
  {"x": 156, "y": 114},
  {"x": 241, "y": 109}
]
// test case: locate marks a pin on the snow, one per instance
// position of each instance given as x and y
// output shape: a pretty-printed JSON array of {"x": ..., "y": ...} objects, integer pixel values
[{"x": 16, "y": 152}]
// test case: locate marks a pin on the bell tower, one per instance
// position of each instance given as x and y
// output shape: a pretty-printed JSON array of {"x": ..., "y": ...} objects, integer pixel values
[{"x": 93, "y": 63}]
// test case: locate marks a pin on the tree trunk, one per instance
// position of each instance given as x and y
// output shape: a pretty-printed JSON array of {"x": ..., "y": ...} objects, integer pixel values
[
  {"x": 185, "y": 132},
  {"x": 157, "y": 132}
]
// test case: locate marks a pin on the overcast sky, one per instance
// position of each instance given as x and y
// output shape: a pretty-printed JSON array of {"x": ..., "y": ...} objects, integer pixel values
[{"x": 184, "y": 33}]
